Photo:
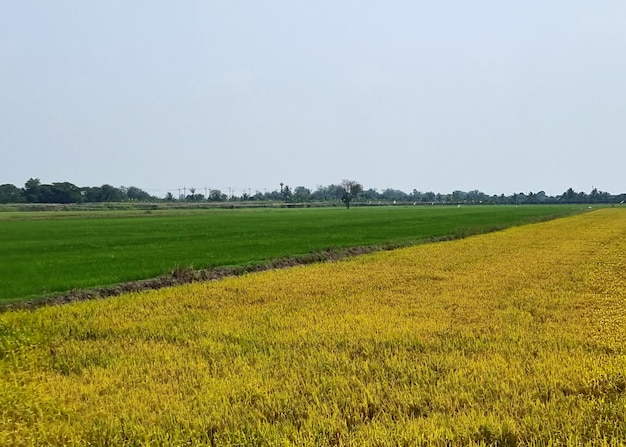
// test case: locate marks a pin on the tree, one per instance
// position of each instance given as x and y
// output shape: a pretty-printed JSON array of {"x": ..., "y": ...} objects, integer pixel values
[
  {"x": 351, "y": 190},
  {"x": 11, "y": 194},
  {"x": 372, "y": 194},
  {"x": 109, "y": 193},
  {"x": 430, "y": 197},
  {"x": 32, "y": 190},
  {"x": 216, "y": 196},
  {"x": 192, "y": 194},
  {"x": 570, "y": 196},
  {"x": 286, "y": 193},
  {"x": 459, "y": 196},
  {"x": 541, "y": 197},
  {"x": 134, "y": 193},
  {"x": 330, "y": 192},
  {"x": 91, "y": 193},
  {"x": 63, "y": 192},
  {"x": 394, "y": 194},
  {"x": 301, "y": 194}
]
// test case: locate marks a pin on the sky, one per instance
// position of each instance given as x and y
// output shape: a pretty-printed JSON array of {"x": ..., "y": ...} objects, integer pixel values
[{"x": 444, "y": 95}]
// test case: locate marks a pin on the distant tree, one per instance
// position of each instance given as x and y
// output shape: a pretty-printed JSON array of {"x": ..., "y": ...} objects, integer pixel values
[
  {"x": 394, "y": 194},
  {"x": 605, "y": 197},
  {"x": 332, "y": 192},
  {"x": 169, "y": 197},
  {"x": 273, "y": 195},
  {"x": 11, "y": 194},
  {"x": 475, "y": 196},
  {"x": 91, "y": 193},
  {"x": 541, "y": 197},
  {"x": 134, "y": 193},
  {"x": 319, "y": 194},
  {"x": 32, "y": 190},
  {"x": 62, "y": 193},
  {"x": 416, "y": 196},
  {"x": 520, "y": 199},
  {"x": 216, "y": 196},
  {"x": 286, "y": 193},
  {"x": 109, "y": 193},
  {"x": 192, "y": 194},
  {"x": 195, "y": 197},
  {"x": 372, "y": 194},
  {"x": 351, "y": 190},
  {"x": 430, "y": 196},
  {"x": 459, "y": 196},
  {"x": 569, "y": 196},
  {"x": 301, "y": 194}
]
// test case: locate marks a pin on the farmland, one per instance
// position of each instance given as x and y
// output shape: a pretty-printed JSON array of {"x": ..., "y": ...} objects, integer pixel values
[
  {"x": 509, "y": 338},
  {"x": 45, "y": 253}
]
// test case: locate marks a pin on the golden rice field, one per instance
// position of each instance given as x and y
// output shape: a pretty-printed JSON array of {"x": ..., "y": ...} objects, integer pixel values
[{"x": 510, "y": 338}]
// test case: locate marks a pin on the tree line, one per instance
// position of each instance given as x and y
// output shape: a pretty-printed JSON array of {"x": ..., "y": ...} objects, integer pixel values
[
  {"x": 64, "y": 192},
  {"x": 347, "y": 192}
]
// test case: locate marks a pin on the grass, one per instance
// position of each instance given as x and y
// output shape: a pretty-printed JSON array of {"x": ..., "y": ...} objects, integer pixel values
[
  {"x": 506, "y": 339},
  {"x": 53, "y": 252}
]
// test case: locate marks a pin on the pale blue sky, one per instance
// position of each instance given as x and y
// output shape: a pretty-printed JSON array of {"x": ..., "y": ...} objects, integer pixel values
[{"x": 498, "y": 96}]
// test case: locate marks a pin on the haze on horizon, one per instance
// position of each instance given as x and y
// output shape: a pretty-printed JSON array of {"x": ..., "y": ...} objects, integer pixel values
[{"x": 502, "y": 97}]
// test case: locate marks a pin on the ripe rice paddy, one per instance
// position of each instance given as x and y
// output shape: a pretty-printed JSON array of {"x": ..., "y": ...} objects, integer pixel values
[{"x": 510, "y": 338}]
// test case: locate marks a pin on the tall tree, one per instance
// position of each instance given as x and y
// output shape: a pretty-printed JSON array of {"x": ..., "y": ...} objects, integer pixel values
[
  {"x": 286, "y": 193},
  {"x": 32, "y": 190},
  {"x": 570, "y": 196},
  {"x": 351, "y": 190}
]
